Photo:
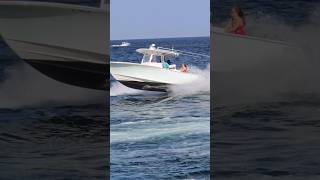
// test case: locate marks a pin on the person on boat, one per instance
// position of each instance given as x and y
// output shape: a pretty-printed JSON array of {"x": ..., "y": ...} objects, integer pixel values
[
  {"x": 184, "y": 68},
  {"x": 171, "y": 66},
  {"x": 165, "y": 65},
  {"x": 237, "y": 22}
]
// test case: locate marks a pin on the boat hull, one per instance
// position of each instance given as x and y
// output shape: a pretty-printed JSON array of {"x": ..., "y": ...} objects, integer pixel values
[
  {"x": 249, "y": 69},
  {"x": 144, "y": 77},
  {"x": 82, "y": 74},
  {"x": 236, "y": 53},
  {"x": 68, "y": 43},
  {"x": 148, "y": 86}
]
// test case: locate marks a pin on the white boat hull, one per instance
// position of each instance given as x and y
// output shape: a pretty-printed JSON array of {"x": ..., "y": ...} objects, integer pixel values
[
  {"x": 237, "y": 53},
  {"x": 247, "y": 69},
  {"x": 145, "y": 77},
  {"x": 68, "y": 43}
]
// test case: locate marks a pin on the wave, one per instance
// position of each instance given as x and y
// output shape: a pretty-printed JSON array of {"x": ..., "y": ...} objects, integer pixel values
[{"x": 144, "y": 130}]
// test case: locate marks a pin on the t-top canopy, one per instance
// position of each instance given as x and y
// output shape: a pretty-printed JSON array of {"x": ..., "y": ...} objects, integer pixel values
[{"x": 157, "y": 51}]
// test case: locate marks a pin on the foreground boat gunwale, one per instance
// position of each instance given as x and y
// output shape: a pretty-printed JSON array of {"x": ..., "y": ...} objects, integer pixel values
[
  {"x": 219, "y": 31},
  {"x": 59, "y": 58},
  {"x": 54, "y": 5}
]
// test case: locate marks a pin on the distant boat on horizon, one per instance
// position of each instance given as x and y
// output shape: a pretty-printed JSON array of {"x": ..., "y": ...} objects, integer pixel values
[{"x": 123, "y": 44}]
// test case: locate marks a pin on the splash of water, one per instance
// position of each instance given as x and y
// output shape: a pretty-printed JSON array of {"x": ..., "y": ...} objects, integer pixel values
[
  {"x": 118, "y": 89},
  {"x": 26, "y": 87},
  {"x": 200, "y": 86}
]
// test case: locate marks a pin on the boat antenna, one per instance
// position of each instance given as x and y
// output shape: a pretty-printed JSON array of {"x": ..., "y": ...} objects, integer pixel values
[{"x": 187, "y": 53}]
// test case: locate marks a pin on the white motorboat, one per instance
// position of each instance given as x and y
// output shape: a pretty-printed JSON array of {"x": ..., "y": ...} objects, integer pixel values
[
  {"x": 68, "y": 43},
  {"x": 123, "y": 44},
  {"x": 150, "y": 74},
  {"x": 237, "y": 53}
]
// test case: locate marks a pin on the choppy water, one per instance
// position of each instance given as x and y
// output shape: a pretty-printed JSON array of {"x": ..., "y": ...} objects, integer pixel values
[
  {"x": 159, "y": 135},
  {"x": 274, "y": 135},
  {"x": 49, "y": 130}
]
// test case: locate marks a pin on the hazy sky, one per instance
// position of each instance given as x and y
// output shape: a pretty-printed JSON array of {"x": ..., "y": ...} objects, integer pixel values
[{"x": 139, "y": 19}]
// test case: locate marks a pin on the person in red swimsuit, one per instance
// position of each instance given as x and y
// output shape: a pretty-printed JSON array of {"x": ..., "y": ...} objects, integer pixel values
[
  {"x": 237, "y": 22},
  {"x": 183, "y": 68}
]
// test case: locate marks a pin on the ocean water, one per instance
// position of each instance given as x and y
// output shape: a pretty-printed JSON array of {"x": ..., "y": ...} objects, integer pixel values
[
  {"x": 274, "y": 135},
  {"x": 49, "y": 130},
  {"x": 161, "y": 135}
]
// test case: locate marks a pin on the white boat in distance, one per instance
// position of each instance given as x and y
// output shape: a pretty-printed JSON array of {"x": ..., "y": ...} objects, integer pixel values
[
  {"x": 123, "y": 44},
  {"x": 150, "y": 74},
  {"x": 68, "y": 43},
  {"x": 237, "y": 53}
]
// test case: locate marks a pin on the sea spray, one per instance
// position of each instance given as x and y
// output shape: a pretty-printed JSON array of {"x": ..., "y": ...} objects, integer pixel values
[
  {"x": 200, "y": 86},
  {"x": 118, "y": 89}
]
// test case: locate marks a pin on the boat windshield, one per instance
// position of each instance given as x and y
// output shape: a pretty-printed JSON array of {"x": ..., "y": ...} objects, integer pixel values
[
  {"x": 150, "y": 58},
  {"x": 145, "y": 58},
  {"x": 153, "y": 58}
]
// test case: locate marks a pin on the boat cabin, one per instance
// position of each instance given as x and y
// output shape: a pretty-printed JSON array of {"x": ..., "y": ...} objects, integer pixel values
[{"x": 153, "y": 56}]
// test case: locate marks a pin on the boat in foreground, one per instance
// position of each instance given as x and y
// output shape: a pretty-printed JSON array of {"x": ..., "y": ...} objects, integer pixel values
[
  {"x": 68, "y": 43},
  {"x": 247, "y": 68},
  {"x": 150, "y": 74},
  {"x": 236, "y": 53}
]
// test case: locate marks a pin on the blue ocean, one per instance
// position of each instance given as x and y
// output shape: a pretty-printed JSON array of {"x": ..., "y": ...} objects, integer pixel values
[
  {"x": 157, "y": 135},
  {"x": 274, "y": 135}
]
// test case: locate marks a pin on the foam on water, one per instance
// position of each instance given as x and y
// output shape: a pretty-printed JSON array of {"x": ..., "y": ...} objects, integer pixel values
[
  {"x": 145, "y": 130},
  {"x": 201, "y": 85},
  {"x": 118, "y": 89}
]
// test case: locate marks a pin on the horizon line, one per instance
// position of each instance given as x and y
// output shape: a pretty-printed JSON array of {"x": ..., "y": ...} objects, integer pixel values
[{"x": 158, "y": 38}]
